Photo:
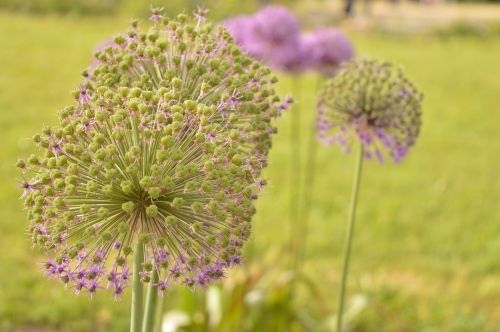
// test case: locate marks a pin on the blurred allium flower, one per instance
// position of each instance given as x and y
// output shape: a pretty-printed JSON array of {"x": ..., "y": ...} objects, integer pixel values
[
  {"x": 327, "y": 49},
  {"x": 163, "y": 147},
  {"x": 272, "y": 35},
  {"x": 372, "y": 102},
  {"x": 239, "y": 27}
]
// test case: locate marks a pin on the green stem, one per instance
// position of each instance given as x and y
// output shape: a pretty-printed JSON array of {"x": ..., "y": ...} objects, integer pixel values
[
  {"x": 137, "y": 289},
  {"x": 294, "y": 163},
  {"x": 308, "y": 187},
  {"x": 349, "y": 235},
  {"x": 159, "y": 314},
  {"x": 151, "y": 300},
  {"x": 294, "y": 195},
  {"x": 309, "y": 182}
]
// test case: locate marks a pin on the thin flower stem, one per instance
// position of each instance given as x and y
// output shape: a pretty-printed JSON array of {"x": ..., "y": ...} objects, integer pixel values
[
  {"x": 159, "y": 314},
  {"x": 308, "y": 186},
  {"x": 137, "y": 289},
  {"x": 151, "y": 303},
  {"x": 349, "y": 235},
  {"x": 309, "y": 183},
  {"x": 294, "y": 193},
  {"x": 294, "y": 165}
]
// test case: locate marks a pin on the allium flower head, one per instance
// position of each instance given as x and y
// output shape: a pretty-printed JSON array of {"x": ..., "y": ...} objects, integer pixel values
[
  {"x": 328, "y": 49},
  {"x": 163, "y": 146},
  {"x": 271, "y": 35},
  {"x": 240, "y": 28},
  {"x": 374, "y": 103},
  {"x": 276, "y": 25}
]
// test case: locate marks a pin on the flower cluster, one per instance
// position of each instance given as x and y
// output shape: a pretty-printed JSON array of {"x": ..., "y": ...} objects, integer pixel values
[
  {"x": 163, "y": 148},
  {"x": 327, "y": 49},
  {"x": 374, "y": 103},
  {"x": 272, "y": 35}
]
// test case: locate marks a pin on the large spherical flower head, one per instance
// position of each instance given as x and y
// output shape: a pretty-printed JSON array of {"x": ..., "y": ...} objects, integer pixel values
[
  {"x": 163, "y": 147},
  {"x": 328, "y": 49},
  {"x": 374, "y": 103}
]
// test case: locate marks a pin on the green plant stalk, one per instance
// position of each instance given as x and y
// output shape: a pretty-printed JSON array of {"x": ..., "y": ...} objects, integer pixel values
[
  {"x": 294, "y": 186},
  {"x": 137, "y": 289},
  {"x": 148, "y": 322},
  {"x": 294, "y": 164},
  {"x": 309, "y": 182},
  {"x": 349, "y": 235},
  {"x": 159, "y": 314},
  {"x": 308, "y": 188}
]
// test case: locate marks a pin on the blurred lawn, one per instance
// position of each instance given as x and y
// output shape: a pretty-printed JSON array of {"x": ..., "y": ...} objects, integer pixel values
[{"x": 428, "y": 237}]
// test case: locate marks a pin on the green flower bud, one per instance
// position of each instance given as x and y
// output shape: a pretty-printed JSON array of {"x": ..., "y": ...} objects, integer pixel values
[
  {"x": 177, "y": 202},
  {"x": 128, "y": 207},
  {"x": 127, "y": 186},
  {"x": 171, "y": 221},
  {"x": 154, "y": 192},
  {"x": 152, "y": 211},
  {"x": 102, "y": 212}
]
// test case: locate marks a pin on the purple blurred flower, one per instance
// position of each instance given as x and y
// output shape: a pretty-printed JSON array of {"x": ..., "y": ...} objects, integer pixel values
[
  {"x": 272, "y": 36},
  {"x": 327, "y": 49},
  {"x": 240, "y": 28}
]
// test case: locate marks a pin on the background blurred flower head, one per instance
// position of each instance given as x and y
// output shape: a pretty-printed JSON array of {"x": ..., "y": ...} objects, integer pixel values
[
  {"x": 327, "y": 49},
  {"x": 271, "y": 35},
  {"x": 371, "y": 102},
  {"x": 162, "y": 148}
]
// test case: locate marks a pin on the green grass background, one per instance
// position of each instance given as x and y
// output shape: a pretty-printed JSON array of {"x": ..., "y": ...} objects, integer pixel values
[{"x": 427, "y": 246}]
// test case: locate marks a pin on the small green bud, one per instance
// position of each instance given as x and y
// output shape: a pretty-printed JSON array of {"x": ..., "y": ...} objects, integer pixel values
[
  {"x": 237, "y": 160},
  {"x": 176, "y": 82},
  {"x": 127, "y": 186},
  {"x": 128, "y": 207},
  {"x": 102, "y": 212},
  {"x": 171, "y": 220},
  {"x": 152, "y": 211},
  {"x": 161, "y": 155},
  {"x": 167, "y": 141},
  {"x": 92, "y": 186},
  {"x": 70, "y": 189},
  {"x": 127, "y": 250},
  {"x": 73, "y": 169},
  {"x": 58, "y": 202},
  {"x": 33, "y": 160},
  {"x": 154, "y": 192},
  {"x": 177, "y": 202},
  {"x": 107, "y": 189},
  {"x": 94, "y": 170},
  {"x": 21, "y": 163},
  {"x": 59, "y": 184},
  {"x": 146, "y": 182}
]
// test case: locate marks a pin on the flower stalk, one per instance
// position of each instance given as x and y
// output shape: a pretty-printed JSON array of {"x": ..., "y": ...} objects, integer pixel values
[
  {"x": 137, "y": 289},
  {"x": 295, "y": 167},
  {"x": 148, "y": 323},
  {"x": 308, "y": 188},
  {"x": 349, "y": 235}
]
